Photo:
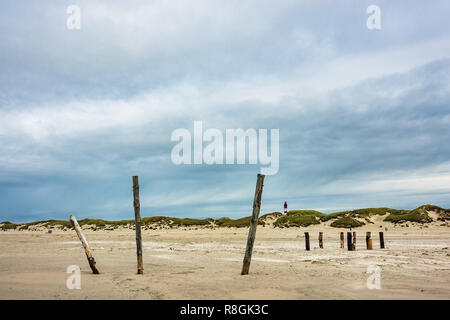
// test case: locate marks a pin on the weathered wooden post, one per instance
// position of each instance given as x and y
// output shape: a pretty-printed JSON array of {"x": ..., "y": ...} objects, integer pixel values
[
  {"x": 354, "y": 242},
  {"x": 321, "y": 240},
  {"x": 349, "y": 241},
  {"x": 369, "y": 244},
  {"x": 381, "y": 240},
  {"x": 253, "y": 224},
  {"x": 307, "y": 241},
  {"x": 137, "y": 218},
  {"x": 85, "y": 244},
  {"x": 342, "y": 240},
  {"x": 368, "y": 235}
]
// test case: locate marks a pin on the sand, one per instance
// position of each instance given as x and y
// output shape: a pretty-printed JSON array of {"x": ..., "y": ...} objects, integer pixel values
[{"x": 206, "y": 264}]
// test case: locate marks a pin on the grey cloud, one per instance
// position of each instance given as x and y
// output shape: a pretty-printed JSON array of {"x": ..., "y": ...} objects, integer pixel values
[
  {"x": 86, "y": 111},
  {"x": 124, "y": 49},
  {"x": 337, "y": 140}
]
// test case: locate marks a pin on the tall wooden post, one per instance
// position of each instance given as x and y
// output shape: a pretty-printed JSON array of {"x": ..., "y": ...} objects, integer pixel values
[
  {"x": 381, "y": 240},
  {"x": 342, "y": 240},
  {"x": 354, "y": 241},
  {"x": 137, "y": 218},
  {"x": 368, "y": 235},
  {"x": 85, "y": 244},
  {"x": 349, "y": 241},
  {"x": 307, "y": 241},
  {"x": 321, "y": 240},
  {"x": 253, "y": 224}
]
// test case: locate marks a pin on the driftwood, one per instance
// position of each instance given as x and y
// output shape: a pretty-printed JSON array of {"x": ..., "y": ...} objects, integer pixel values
[
  {"x": 137, "y": 218},
  {"x": 368, "y": 237},
  {"x": 321, "y": 240},
  {"x": 253, "y": 224},
  {"x": 349, "y": 241},
  {"x": 85, "y": 244},
  {"x": 307, "y": 241},
  {"x": 354, "y": 242},
  {"x": 381, "y": 240}
]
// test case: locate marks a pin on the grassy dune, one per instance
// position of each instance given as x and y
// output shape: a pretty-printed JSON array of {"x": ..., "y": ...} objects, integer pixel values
[{"x": 294, "y": 218}]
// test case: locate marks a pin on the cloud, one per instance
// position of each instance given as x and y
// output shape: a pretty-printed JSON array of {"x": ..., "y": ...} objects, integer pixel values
[{"x": 363, "y": 116}]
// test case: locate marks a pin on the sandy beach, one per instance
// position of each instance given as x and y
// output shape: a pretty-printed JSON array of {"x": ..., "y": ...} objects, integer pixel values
[{"x": 202, "y": 263}]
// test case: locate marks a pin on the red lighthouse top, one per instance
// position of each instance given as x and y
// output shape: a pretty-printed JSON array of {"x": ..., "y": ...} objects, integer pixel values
[{"x": 285, "y": 205}]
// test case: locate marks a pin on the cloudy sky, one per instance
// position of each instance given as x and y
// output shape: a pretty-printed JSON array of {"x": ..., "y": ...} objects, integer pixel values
[{"x": 364, "y": 115}]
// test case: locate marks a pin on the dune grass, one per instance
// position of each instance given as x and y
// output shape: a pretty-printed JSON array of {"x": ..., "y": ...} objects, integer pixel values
[
  {"x": 418, "y": 215},
  {"x": 299, "y": 218},
  {"x": 24, "y": 226},
  {"x": 237, "y": 223},
  {"x": 294, "y": 218},
  {"x": 361, "y": 213},
  {"x": 6, "y": 225},
  {"x": 312, "y": 213},
  {"x": 191, "y": 222},
  {"x": 346, "y": 222}
]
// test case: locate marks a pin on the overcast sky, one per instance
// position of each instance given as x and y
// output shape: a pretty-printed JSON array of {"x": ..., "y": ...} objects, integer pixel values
[{"x": 364, "y": 115}]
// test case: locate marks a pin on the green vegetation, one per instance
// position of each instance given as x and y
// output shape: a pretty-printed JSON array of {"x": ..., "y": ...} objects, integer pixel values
[
  {"x": 444, "y": 214},
  {"x": 174, "y": 221},
  {"x": 294, "y": 218},
  {"x": 299, "y": 218},
  {"x": 184, "y": 222},
  {"x": 190, "y": 222},
  {"x": 418, "y": 215},
  {"x": 430, "y": 207},
  {"x": 395, "y": 215},
  {"x": 96, "y": 222},
  {"x": 271, "y": 214},
  {"x": 312, "y": 213},
  {"x": 237, "y": 223},
  {"x": 347, "y": 222},
  {"x": 334, "y": 215},
  {"x": 296, "y": 221},
  {"x": 24, "y": 226},
  {"x": 244, "y": 222},
  {"x": 156, "y": 219},
  {"x": 51, "y": 223},
  {"x": 360, "y": 213},
  {"x": 101, "y": 224},
  {"x": 410, "y": 216},
  {"x": 368, "y": 212},
  {"x": 6, "y": 225},
  {"x": 222, "y": 221}
]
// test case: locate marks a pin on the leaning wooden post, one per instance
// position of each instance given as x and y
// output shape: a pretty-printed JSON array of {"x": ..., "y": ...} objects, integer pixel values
[
  {"x": 85, "y": 244},
  {"x": 307, "y": 241},
  {"x": 137, "y": 218},
  {"x": 368, "y": 235},
  {"x": 354, "y": 242},
  {"x": 321, "y": 240},
  {"x": 349, "y": 241},
  {"x": 381, "y": 240},
  {"x": 253, "y": 224},
  {"x": 342, "y": 240}
]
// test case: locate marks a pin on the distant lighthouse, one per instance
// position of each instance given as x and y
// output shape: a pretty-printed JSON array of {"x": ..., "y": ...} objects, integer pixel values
[{"x": 285, "y": 207}]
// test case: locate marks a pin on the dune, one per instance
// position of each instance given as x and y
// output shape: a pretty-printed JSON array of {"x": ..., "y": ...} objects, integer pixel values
[{"x": 204, "y": 261}]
